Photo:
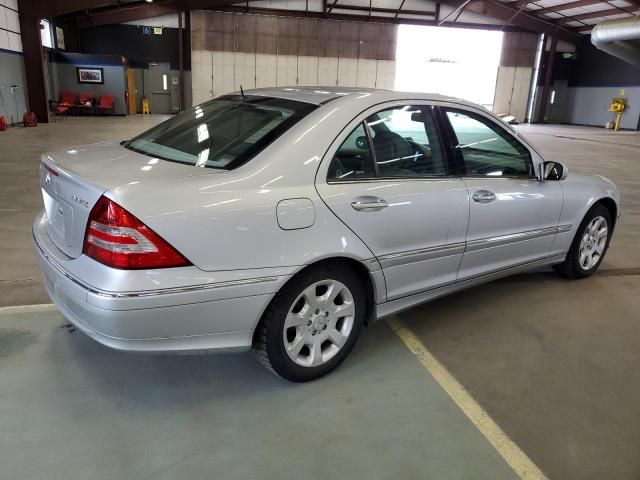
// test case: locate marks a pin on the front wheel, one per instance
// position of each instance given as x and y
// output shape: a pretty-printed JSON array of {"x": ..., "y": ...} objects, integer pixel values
[
  {"x": 589, "y": 245},
  {"x": 312, "y": 323}
]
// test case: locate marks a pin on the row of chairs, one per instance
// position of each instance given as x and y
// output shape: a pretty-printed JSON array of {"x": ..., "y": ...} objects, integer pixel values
[{"x": 70, "y": 102}]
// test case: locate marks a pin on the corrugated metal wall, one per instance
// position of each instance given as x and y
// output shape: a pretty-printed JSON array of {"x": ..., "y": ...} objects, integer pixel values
[{"x": 233, "y": 49}]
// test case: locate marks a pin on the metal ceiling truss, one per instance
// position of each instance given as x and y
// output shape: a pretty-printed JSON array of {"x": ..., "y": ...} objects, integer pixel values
[{"x": 514, "y": 15}]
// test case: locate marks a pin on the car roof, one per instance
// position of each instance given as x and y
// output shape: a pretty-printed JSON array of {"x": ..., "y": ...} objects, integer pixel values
[{"x": 321, "y": 94}]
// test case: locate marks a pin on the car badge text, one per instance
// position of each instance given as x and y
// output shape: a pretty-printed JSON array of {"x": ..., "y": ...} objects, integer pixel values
[{"x": 77, "y": 199}]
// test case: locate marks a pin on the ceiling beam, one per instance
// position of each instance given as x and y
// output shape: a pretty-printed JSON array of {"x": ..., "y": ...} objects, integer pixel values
[
  {"x": 129, "y": 14},
  {"x": 566, "y": 6},
  {"x": 523, "y": 3},
  {"x": 505, "y": 13},
  {"x": 340, "y": 6},
  {"x": 492, "y": 8},
  {"x": 586, "y": 16}
]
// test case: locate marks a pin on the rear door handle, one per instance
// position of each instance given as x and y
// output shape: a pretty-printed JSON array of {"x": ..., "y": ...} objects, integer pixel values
[
  {"x": 369, "y": 203},
  {"x": 483, "y": 196}
]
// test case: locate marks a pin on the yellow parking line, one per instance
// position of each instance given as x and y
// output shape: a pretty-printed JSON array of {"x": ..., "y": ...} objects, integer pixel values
[{"x": 509, "y": 451}]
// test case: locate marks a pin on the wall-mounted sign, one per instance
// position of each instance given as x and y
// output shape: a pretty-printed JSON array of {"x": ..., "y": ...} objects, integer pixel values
[
  {"x": 157, "y": 30},
  {"x": 60, "y": 38},
  {"x": 90, "y": 75},
  {"x": 146, "y": 30}
]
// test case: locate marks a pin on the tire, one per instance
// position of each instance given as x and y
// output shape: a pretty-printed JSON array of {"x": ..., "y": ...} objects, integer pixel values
[
  {"x": 302, "y": 337},
  {"x": 588, "y": 241}
]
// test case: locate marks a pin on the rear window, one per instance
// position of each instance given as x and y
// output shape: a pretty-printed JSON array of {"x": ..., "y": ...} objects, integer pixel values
[{"x": 222, "y": 133}]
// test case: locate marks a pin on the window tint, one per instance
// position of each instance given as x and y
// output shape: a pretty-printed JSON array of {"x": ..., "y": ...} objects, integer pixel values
[
  {"x": 353, "y": 158},
  {"x": 405, "y": 141},
  {"x": 222, "y": 133},
  {"x": 487, "y": 149}
]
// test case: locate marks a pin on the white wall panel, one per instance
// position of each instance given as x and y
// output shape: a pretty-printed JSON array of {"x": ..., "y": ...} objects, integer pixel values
[
  {"x": 386, "y": 76},
  {"x": 245, "y": 70},
  {"x": 266, "y": 70},
  {"x": 366, "y": 73},
  {"x": 307, "y": 70},
  {"x": 512, "y": 91},
  {"x": 504, "y": 87},
  {"x": 287, "y": 73},
  {"x": 4, "y": 40},
  {"x": 15, "y": 42},
  {"x": 327, "y": 71},
  {"x": 201, "y": 75},
  {"x": 520, "y": 96},
  {"x": 12, "y": 20},
  {"x": 347, "y": 72}
]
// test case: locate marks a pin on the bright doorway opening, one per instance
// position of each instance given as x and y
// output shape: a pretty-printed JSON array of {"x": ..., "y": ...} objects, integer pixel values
[{"x": 458, "y": 62}]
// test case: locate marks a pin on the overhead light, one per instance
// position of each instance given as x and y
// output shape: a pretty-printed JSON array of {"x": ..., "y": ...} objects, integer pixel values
[{"x": 149, "y": 1}]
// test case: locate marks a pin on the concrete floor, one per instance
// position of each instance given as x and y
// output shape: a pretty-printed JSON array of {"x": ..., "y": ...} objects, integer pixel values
[{"x": 555, "y": 364}]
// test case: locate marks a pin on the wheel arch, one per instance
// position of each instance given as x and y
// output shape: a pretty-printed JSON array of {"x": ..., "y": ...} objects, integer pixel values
[
  {"x": 357, "y": 266},
  {"x": 611, "y": 205}
]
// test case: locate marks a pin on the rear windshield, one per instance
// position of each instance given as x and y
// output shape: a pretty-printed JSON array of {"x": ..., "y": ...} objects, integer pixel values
[{"x": 222, "y": 133}]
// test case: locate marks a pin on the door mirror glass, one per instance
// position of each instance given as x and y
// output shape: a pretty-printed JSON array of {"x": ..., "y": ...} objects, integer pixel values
[{"x": 554, "y": 171}]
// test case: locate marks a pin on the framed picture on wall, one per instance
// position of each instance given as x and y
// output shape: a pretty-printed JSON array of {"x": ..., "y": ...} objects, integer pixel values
[{"x": 90, "y": 75}]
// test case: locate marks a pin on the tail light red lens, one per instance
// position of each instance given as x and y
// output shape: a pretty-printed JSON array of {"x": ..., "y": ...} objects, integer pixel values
[{"x": 118, "y": 239}]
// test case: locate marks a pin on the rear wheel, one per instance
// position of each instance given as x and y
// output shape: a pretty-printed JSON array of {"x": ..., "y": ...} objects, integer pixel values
[
  {"x": 312, "y": 324},
  {"x": 589, "y": 245}
]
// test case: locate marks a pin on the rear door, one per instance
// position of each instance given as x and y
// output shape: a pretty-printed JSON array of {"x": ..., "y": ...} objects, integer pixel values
[
  {"x": 387, "y": 178},
  {"x": 513, "y": 216}
]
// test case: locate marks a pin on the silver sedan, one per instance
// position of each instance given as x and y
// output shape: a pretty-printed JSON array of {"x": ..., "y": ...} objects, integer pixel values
[{"x": 285, "y": 219}]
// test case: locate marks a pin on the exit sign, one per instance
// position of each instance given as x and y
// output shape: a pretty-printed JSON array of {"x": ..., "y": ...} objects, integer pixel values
[{"x": 157, "y": 30}]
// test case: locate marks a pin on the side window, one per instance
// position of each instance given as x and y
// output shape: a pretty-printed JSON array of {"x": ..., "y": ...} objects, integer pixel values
[
  {"x": 353, "y": 159},
  {"x": 406, "y": 143},
  {"x": 487, "y": 150}
]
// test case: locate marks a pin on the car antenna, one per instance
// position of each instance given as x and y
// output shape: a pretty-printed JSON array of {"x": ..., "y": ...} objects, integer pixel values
[{"x": 242, "y": 92}]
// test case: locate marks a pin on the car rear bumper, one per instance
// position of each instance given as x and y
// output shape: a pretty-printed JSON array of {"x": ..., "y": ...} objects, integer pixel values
[{"x": 208, "y": 317}]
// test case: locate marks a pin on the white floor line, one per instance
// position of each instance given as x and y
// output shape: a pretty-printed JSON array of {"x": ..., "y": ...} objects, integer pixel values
[
  {"x": 508, "y": 450},
  {"x": 43, "y": 307}
]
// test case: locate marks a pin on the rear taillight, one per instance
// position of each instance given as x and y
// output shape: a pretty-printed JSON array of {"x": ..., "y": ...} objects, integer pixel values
[{"x": 118, "y": 239}]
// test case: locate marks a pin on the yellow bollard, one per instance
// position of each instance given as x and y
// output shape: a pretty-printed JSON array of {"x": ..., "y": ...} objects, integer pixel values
[
  {"x": 145, "y": 106},
  {"x": 617, "y": 106}
]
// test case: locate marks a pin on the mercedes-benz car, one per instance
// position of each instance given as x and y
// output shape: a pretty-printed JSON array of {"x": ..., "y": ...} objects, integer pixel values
[{"x": 285, "y": 219}]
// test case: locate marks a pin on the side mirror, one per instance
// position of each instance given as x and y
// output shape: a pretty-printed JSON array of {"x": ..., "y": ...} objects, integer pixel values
[{"x": 553, "y": 171}]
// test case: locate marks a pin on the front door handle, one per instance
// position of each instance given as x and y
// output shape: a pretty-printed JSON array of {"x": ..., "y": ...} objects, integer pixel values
[
  {"x": 483, "y": 196},
  {"x": 369, "y": 203}
]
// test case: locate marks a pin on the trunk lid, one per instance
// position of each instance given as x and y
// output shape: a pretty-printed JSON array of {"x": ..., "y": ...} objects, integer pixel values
[{"x": 73, "y": 180}]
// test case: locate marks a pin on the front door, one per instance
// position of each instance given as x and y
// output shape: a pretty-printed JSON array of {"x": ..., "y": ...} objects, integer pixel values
[
  {"x": 388, "y": 181},
  {"x": 513, "y": 217}
]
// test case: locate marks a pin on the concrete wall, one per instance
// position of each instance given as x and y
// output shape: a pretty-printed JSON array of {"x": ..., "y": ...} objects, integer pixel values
[
  {"x": 590, "y": 106},
  {"x": 11, "y": 64}
]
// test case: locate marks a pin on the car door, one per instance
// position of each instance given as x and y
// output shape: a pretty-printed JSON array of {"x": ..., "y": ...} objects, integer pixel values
[
  {"x": 513, "y": 216},
  {"x": 388, "y": 179}
]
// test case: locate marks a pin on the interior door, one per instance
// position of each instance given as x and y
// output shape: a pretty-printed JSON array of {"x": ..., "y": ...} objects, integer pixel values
[
  {"x": 133, "y": 92},
  {"x": 388, "y": 181},
  {"x": 513, "y": 217},
  {"x": 160, "y": 100}
]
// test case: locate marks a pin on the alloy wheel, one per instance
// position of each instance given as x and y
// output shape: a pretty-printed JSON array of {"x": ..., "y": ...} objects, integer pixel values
[
  {"x": 319, "y": 323},
  {"x": 593, "y": 243}
]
